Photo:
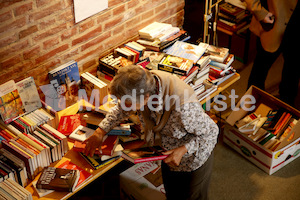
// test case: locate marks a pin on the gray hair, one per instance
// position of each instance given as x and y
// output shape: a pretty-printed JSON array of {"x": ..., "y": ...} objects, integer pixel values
[{"x": 131, "y": 78}]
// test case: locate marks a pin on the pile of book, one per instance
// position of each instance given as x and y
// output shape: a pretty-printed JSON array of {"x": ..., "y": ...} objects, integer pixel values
[
  {"x": 10, "y": 190},
  {"x": 158, "y": 36},
  {"x": 268, "y": 131},
  {"x": 91, "y": 84},
  {"x": 36, "y": 149},
  {"x": 231, "y": 17}
]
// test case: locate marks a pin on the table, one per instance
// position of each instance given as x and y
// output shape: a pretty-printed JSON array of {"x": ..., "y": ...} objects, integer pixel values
[{"x": 75, "y": 158}]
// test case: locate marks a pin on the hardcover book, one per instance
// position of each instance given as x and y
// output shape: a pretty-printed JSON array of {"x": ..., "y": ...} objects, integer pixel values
[
  {"x": 11, "y": 105},
  {"x": 58, "y": 179},
  {"x": 84, "y": 175},
  {"x": 144, "y": 154}
]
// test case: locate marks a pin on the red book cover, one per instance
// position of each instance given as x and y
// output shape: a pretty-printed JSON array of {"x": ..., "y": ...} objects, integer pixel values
[
  {"x": 84, "y": 175},
  {"x": 68, "y": 124},
  {"x": 108, "y": 146},
  {"x": 144, "y": 154}
]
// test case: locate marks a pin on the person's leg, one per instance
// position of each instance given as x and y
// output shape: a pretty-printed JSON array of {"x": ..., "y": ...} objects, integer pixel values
[
  {"x": 262, "y": 63},
  {"x": 187, "y": 185},
  {"x": 288, "y": 88}
]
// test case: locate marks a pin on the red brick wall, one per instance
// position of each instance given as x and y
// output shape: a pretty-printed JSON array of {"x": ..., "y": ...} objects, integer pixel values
[{"x": 38, "y": 35}]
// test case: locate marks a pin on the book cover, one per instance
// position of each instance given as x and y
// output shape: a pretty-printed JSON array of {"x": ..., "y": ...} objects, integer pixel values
[
  {"x": 11, "y": 105},
  {"x": 81, "y": 133},
  {"x": 66, "y": 80},
  {"x": 175, "y": 64},
  {"x": 84, "y": 175},
  {"x": 217, "y": 53},
  {"x": 144, "y": 154},
  {"x": 58, "y": 179},
  {"x": 187, "y": 50},
  {"x": 108, "y": 146},
  {"x": 29, "y": 94},
  {"x": 68, "y": 124},
  {"x": 96, "y": 161}
]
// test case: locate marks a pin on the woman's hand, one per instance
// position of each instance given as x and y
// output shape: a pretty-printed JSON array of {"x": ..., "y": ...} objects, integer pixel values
[
  {"x": 93, "y": 142},
  {"x": 269, "y": 18},
  {"x": 175, "y": 156}
]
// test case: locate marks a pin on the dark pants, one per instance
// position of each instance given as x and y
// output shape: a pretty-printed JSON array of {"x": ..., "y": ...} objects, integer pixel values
[
  {"x": 288, "y": 87},
  {"x": 187, "y": 185}
]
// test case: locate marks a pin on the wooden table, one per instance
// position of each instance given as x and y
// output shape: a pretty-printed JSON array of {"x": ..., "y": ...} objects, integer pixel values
[{"x": 75, "y": 158}]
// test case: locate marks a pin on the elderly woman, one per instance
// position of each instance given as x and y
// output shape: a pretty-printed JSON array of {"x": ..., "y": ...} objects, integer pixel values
[{"x": 172, "y": 117}]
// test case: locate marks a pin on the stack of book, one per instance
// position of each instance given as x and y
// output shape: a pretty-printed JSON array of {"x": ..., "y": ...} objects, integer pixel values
[
  {"x": 10, "y": 190},
  {"x": 111, "y": 63},
  {"x": 158, "y": 36},
  {"x": 267, "y": 131},
  {"x": 131, "y": 50},
  {"x": 29, "y": 121},
  {"x": 232, "y": 18},
  {"x": 36, "y": 149},
  {"x": 93, "y": 86}
]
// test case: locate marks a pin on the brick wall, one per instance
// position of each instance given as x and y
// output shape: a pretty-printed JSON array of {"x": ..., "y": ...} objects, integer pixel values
[{"x": 38, "y": 35}]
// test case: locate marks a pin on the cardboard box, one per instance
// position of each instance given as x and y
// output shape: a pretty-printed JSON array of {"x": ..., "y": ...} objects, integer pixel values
[
  {"x": 269, "y": 161},
  {"x": 142, "y": 181}
]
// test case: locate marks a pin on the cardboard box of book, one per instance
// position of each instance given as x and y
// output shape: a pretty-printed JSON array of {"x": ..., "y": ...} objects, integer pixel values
[
  {"x": 273, "y": 136},
  {"x": 142, "y": 181}
]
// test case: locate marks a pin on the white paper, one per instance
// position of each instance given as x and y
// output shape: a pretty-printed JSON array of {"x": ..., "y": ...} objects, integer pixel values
[{"x": 86, "y": 8}]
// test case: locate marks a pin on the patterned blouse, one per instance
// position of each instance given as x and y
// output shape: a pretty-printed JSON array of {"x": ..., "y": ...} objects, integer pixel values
[{"x": 189, "y": 126}]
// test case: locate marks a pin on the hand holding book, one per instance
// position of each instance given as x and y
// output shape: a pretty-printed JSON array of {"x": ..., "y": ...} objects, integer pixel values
[
  {"x": 175, "y": 155},
  {"x": 94, "y": 142}
]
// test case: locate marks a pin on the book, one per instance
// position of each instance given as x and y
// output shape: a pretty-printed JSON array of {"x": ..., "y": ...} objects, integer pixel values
[
  {"x": 58, "y": 179},
  {"x": 66, "y": 80},
  {"x": 41, "y": 192},
  {"x": 153, "y": 29},
  {"x": 81, "y": 133},
  {"x": 187, "y": 50},
  {"x": 218, "y": 54},
  {"x": 224, "y": 65},
  {"x": 109, "y": 144},
  {"x": 175, "y": 64},
  {"x": 96, "y": 161},
  {"x": 11, "y": 105},
  {"x": 29, "y": 94},
  {"x": 67, "y": 124},
  {"x": 144, "y": 154},
  {"x": 83, "y": 174}
]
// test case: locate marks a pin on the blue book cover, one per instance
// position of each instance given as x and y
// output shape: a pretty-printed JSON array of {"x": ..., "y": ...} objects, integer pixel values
[
  {"x": 187, "y": 50},
  {"x": 66, "y": 81}
]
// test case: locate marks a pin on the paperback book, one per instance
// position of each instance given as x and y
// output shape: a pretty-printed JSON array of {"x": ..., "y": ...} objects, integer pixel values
[
  {"x": 66, "y": 80},
  {"x": 11, "y": 105},
  {"x": 175, "y": 64}
]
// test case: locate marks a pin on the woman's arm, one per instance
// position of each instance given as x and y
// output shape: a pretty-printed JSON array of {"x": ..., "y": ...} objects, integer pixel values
[{"x": 112, "y": 119}]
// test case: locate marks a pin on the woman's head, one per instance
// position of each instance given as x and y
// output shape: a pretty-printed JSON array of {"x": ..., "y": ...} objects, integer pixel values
[{"x": 133, "y": 82}]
